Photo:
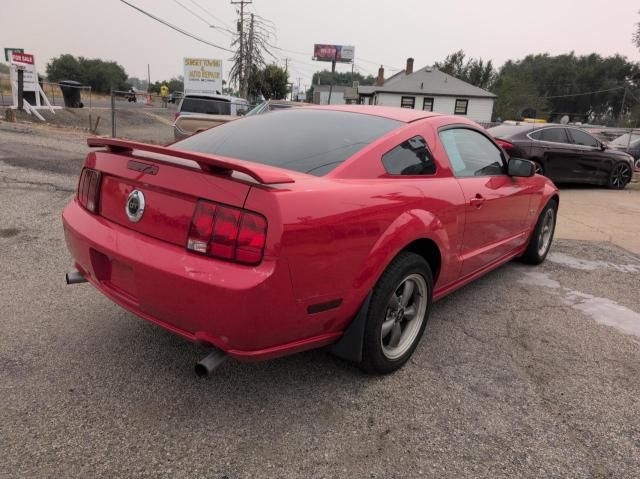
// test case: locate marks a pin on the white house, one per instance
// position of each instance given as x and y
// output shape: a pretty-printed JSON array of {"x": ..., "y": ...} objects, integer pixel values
[{"x": 429, "y": 89}]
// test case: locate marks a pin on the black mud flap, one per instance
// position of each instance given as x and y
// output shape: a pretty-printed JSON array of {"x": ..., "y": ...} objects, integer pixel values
[{"x": 350, "y": 345}]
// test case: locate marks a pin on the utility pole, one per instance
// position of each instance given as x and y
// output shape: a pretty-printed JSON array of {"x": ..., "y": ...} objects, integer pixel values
[
  {"x": 624, "y": 97},
  {"x": 249, "y": 69},
  {"x": 298, "y": 98},
  {"x": 242, "y": 75},
  {"x": 148, "y": 77}
]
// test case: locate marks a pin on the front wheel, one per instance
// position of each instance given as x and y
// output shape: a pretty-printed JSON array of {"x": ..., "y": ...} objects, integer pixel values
[
  {"x": 542, "y": 236},
  {"x": 397, "y": 314},
  {"x": 620, "y": 176}
]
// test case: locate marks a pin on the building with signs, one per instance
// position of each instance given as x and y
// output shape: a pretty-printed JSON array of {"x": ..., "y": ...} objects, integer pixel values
[{"x": 429, "y": 89}]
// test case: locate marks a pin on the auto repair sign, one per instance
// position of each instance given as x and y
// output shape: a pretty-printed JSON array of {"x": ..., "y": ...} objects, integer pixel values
[{"x": 202, "y": 75}]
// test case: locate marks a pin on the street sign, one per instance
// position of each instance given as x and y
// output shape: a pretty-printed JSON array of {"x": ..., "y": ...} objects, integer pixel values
[
  {"x": 9, "y": 51},
  {"x": 202, "y": 75}
]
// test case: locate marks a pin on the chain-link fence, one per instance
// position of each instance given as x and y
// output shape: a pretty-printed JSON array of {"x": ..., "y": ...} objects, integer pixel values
[{"x": 163, "y": 119}]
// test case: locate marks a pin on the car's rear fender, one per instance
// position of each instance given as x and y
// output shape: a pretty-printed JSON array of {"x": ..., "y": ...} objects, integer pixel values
[{"x": 410, "y": 226}]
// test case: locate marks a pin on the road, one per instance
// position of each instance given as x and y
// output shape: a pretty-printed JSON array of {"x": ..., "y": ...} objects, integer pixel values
[{"x": 528, "y": 372}]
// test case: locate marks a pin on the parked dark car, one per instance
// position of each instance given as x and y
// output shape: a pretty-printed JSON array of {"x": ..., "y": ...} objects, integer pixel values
[
  {"x": 565, "y": 153},
  {"x": 629, "y": 143}
]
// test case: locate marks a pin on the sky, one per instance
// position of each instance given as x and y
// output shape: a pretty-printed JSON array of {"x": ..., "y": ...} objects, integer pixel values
[{"x": 383, "y": 32}]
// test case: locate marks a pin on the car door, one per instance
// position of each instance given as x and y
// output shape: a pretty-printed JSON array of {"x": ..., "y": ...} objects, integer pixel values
[
  {"x": 496, "y": 206},
  {"x": 558, "y": 152},
  {"x": 591, "y": 163}
]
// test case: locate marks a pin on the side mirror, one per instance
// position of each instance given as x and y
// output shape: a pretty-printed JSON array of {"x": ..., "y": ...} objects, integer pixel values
[
  {"x": 603, "y": 146},
  {"x": 521, "y": 168}
]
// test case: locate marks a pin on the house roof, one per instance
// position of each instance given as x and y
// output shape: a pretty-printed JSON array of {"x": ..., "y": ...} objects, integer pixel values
[
  {"x": 427, "y": 81},
  {"x": 400, "y": 114},
  {"x": 339, "y": 88}
]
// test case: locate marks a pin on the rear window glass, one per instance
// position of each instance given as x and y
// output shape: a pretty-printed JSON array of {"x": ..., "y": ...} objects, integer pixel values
[
  {"x": 507, "y": 131},
  {"x": 554, "y": 135},
  {"x": 627, "y": 140},
  {"x": 309, "y": 141},
  {"x": 210, "y": 106}
]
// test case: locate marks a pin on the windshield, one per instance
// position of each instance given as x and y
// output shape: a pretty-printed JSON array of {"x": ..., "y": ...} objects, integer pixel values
[
  {"x": 305, "y": 140},
  {"x": 626, "y": 140}
]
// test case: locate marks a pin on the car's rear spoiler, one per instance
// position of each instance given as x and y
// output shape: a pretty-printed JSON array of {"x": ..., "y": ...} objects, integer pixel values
[{"x": 264, "y": 174}]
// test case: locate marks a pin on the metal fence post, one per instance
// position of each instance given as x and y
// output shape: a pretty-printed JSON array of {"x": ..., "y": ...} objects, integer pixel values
[
  {"x": 113, "y": 114},
  {"x": 20, "y": 89}
]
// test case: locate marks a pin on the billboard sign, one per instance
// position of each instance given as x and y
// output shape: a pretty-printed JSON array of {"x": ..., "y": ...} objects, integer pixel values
[
  {"x": 202, "y": 75},
  {"x": 333, "y": 53},
  {"x": 25, "y": 62}
]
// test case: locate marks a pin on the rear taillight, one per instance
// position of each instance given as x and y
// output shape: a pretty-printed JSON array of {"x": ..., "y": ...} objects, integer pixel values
[
  {"x": 176, "y": 115},
  {"x": 505, "y": 145},
  {"x": 89, "y": 189},
  {"x": 227, "y": 233}
]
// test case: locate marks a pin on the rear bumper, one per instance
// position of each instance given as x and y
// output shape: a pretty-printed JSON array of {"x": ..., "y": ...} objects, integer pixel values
[{"x": 248, "y": 312}]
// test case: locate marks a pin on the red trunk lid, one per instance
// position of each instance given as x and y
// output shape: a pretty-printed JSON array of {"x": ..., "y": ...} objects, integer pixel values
[{"x": 170, "y": 188}]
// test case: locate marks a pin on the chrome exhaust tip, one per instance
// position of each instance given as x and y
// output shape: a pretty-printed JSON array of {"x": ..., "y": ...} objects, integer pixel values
[
  {"x": 74, "y": 277},
  {"x": 210, "y": 363}
]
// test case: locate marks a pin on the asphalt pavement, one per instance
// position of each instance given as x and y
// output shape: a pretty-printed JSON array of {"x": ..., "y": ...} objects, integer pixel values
[{"x": 527, "y": 372}]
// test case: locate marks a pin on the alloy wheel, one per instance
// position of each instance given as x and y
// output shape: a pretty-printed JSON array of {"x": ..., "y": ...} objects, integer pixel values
[
  {"x": 546, "y": 232},
  {"x": 621, "y": 175},
  {"x": 404, "y": 316}
]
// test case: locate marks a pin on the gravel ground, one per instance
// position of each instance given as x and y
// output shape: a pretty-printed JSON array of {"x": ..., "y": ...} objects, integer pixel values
[{"x": 528, "y": 372}]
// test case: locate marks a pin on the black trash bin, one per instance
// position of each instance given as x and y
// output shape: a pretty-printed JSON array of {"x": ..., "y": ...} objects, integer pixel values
[{"x": 71, "y": 93}]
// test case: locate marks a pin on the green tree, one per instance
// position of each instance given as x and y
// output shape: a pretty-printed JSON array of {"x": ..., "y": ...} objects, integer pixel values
[
  {"x": 326, "y": 77},
  {"x": 588, "y": 88},
  {"x": 474, "y": 71},
  {"x": 99, "y": 74},
  {"x": 271, "y": 82}
]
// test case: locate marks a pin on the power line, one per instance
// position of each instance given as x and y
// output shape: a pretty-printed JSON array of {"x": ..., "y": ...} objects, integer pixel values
[
  {"x": 204, "y": 20},
  {"x": 207, "y": 12},
  {"x": 584, "y": 93},
  {"x": 177, "y": 29}
]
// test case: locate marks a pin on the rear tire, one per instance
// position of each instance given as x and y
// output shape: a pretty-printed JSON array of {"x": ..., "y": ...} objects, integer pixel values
[
  {"x": 398, "y": 314},
  {"x": 542, "y": 236},
  {"x": 620, "y": 176}
]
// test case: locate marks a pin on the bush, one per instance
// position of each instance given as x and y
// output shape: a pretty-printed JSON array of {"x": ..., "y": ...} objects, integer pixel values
[{"x": 99, "y": 74}]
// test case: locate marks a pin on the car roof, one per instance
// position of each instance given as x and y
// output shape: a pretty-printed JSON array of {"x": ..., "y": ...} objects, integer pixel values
[{"x": 405, "y": 115}]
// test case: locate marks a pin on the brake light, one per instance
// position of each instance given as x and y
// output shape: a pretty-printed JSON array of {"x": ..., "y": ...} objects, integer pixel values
[
  {"x": 176, "y": 115},
  {"x": 89, "y": 189},
  {"x": 227, "y": 233},
  {"x": 505, "y": 145}
]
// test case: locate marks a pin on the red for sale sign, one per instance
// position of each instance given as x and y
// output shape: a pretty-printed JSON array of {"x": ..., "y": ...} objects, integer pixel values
[{"x": 26, "y": 58}]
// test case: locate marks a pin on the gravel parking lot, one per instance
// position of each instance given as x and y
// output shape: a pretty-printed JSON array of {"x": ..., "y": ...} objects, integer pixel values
[{"x": 528, "y": 372}]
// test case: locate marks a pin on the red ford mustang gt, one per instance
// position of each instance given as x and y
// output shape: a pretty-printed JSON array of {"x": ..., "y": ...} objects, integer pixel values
[{"x": 312, "y": 227}]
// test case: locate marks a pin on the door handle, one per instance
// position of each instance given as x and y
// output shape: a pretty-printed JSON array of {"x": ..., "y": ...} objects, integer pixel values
[{"x": 477, "y": 201}]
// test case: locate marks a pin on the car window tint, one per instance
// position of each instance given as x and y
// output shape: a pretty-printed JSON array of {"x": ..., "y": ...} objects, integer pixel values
[
  {"x": 507, "y": 131},
  {"x": 299, "y": 139},
  {"x": 582, "y": 138},
  {"x": 555, "y": 135},
  {"x": 205, "y": 105},
  {"x": 471, "y": 153},
  {"x": 411, "y": 157}
]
